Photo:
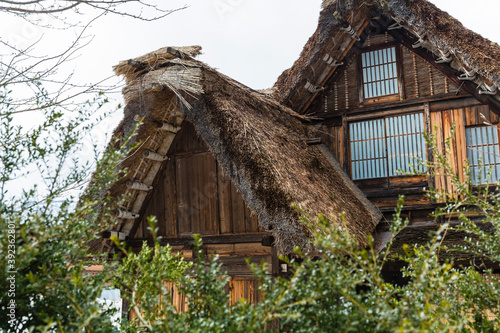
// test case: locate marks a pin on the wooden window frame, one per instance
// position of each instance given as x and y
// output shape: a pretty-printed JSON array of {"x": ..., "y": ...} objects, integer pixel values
[
  {"x": 399, "y": 95},
  {"x": 473, "y": 180},
  {"x": 385, "y": 181}
]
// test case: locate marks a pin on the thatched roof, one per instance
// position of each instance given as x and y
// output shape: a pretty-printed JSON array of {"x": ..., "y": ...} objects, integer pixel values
[
  {"x": 260, "y": 144},
  {"x": 437, "y": 30}
]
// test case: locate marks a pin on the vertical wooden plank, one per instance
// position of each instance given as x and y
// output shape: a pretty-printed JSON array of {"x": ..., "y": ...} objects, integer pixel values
[
  {"x": 238, "y": 213},
  {"x": 451, "y": 155},
  {"x": 354, "y": 87},
  {"x": 408, "y": 73},
  {"x": 139, "y": 233},
  {"x": 254, "y": 221},
  {"x": 203, "y": 193},
  {"x": 400, "y": 73},
  {"x": 476, "y": 115},
  {"x": 170, "y": 206},
  {"x": 183, "y": 199},
  {"x": 231, "y": 291},
  {"x": 178, "y": 299},
  {"x": 484, "y": 115},
  {"x": 361, "y": 92},
  {"x": 493, "y": 117},
  {"x": 339, "y": 139},
  {"x": 461, "y": 148},
  {"x": 457, "y": 153},
  {"x": 196, "y": 172},
  {"x": 341, "y": 88},
  {"x": 251, "y": 223},
  {"x": 146, "y": 233},
  {"x": 243, "y": 287},
  {"x": 423, "y": 77},
  {"x": 437, "y": 129},
  {"x": 468, "y": 116},
  {"x": 428, "y": 132},
  {"x": 208, "y": 191},
  {"x": 159, "y": 200},
  {"x": 431, "y": 80},
  {"x": 439, "y": 81},
  {"x": 345, "y": 146},
  {"x": 214, "y": 195},
  {"x": 275, "y": 263},
  {"x": 224, "y": 189}
]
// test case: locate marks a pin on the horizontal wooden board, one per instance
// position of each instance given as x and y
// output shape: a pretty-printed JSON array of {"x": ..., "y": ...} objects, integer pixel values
[{"x": 238, "y": 249}]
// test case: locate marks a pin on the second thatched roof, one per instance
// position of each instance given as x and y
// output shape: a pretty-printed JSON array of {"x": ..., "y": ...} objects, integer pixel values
[
  {"x": 437, "y": 32},
  {"x": 260, "y": 144}
]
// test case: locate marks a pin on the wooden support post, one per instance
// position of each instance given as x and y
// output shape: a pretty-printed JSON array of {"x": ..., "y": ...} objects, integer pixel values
[
  {"x": 275, "y": 262},
  {"x": 430, "y": 154},
  {"x": 345, "y": 144},
  {"x": 399, "y": 65}
]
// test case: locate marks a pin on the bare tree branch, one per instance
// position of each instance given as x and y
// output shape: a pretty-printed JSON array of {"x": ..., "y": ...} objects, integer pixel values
[
  {"x": 105, "y": 6},
  {"x": 33, "y": 73}
]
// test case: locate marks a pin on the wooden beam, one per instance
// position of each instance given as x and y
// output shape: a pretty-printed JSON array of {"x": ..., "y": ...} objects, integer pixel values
[
  {"x": 223, "y": 239},
  {"x": 419, "y": 102},
  {"x": 453, "y": 104},
  {"x": 313, "y": 141},
  {"x": 392, "y": 193},
  {"x": 412, "y": 207}
]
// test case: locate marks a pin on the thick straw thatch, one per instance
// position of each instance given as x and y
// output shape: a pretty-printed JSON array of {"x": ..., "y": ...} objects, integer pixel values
[
  {"x": 260, "y": 144},
  {"x": 438, "y": 30}
]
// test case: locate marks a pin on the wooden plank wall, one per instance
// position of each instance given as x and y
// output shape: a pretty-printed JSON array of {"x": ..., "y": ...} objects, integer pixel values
[
  {"x": 194, "y": 195},
  {"x": 457, "y": 153},
  {"x": 244, "y": 288},
  {"x": 238, "y": 288},
  {"x": 441, "y": 122},
  {"x": 344, "y": 93},
  {"x": 421, "y": 79},
  {"x": 333, "y": 139}
]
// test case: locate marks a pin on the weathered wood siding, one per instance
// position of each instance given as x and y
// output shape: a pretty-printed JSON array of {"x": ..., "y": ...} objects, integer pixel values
[
  {"x": 238, "y": 288},
  {"x": 420, "y": 79},
  {"x": 456, "y": 153},
  {"x": 423, "y": 89},
  {"x": 194, "y": 195}
]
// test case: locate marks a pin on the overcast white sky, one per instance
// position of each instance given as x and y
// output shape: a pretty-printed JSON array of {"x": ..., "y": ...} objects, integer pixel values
[{"x": 252, "y": 41}]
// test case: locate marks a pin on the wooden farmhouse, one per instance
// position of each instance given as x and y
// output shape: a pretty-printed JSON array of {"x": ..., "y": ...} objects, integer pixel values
[{"x": 222, "y": 160}]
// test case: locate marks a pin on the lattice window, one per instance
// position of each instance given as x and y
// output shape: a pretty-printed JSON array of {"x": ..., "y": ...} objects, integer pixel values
[
  {"x": 483, "y": 154},
  {"x": 380, "y": 75},
  {"x": 387, "y": 147}
]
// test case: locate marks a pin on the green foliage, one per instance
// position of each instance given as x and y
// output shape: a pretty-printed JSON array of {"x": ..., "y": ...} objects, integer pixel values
[
  {"x": 144, "y": 279},
  {"x": 43, "y": 237},
  {"x": 341, "y": 289}
]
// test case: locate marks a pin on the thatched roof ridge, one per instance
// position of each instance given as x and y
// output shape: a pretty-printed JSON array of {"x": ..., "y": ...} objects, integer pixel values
[
  {"x": 260, "y": 143},
  {"x": 439, "y": 32},
  {"x": 132, "y": 68}
]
